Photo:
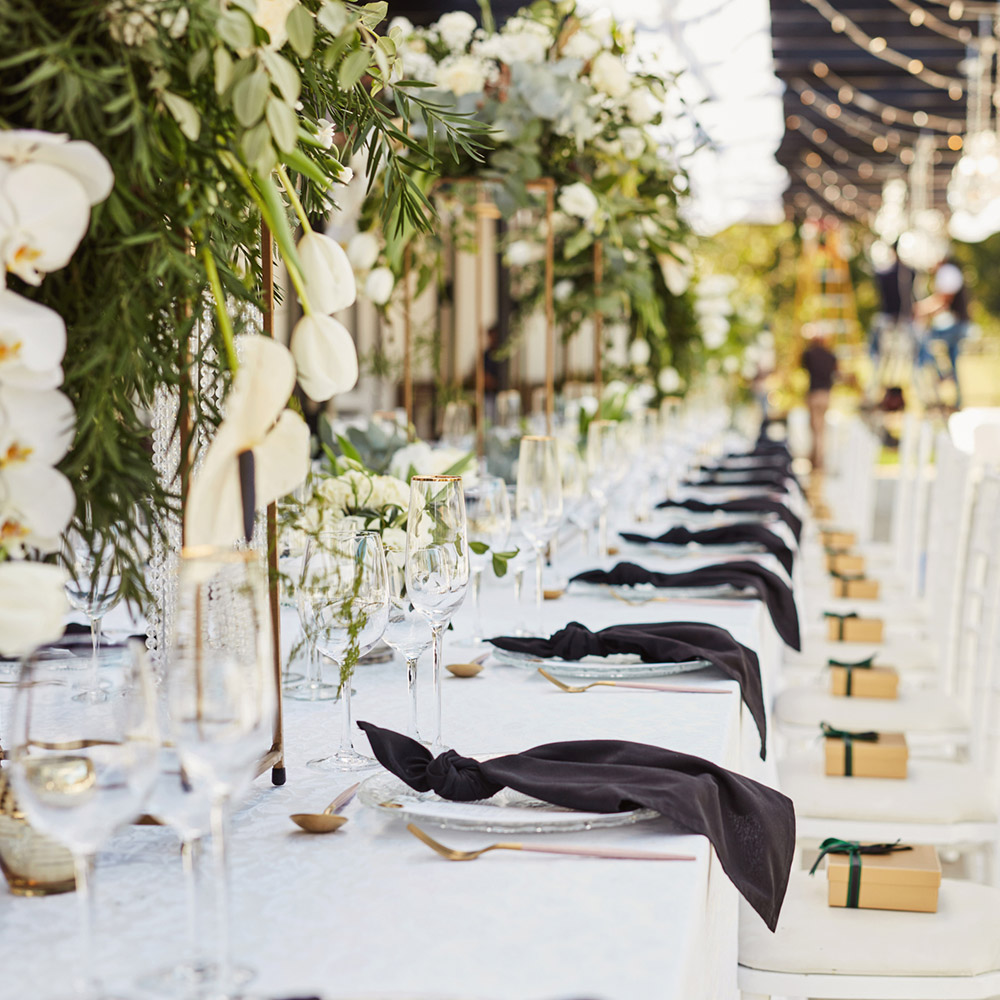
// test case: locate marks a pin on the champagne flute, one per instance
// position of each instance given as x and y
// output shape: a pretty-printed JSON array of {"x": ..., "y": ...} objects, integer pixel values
[
  {"x": 487, "y": 512},
  {"x": 409, "y": 633},
  {"x": 437, "y": 563},
  {"x": 603, "y": 460},
  {"x": 82, "y": 769},
  {"x": 539, "y": 500},
  {"x": 221, "y": 693},
  {"x": 345, "y": 588}
]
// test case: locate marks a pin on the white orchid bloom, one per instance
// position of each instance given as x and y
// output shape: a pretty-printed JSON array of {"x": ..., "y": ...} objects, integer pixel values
[
  {"x": 363, "y": 250},
  {"x": 325, "y": 357},
  {"x": 44, "y": 213},
  {"x": 35, "y": 426},
  {"x": 81, "y": 159},
  {"x": 32, "y": 343},
  {"x": 328, "y": 274},
  {"x": 255, "y": 420},
  {"x": 379, "y": 285},
  {"x": 32, "y": 605}
]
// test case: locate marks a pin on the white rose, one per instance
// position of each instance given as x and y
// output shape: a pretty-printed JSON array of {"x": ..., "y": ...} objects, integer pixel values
[
  {"x": 581, "y": 45},
  {"x": 578, "y": 200},
  {"x": 608, "y": 74},
  {"x": 640, "y": 106},
  {"x": 379, "y": 285},
  {"x": 418, "y": 65},
  {"x": 394, "y": 542},
  {"x": 599, "y": 25},
  {"x": 335, "y": 493},
  {"x": 417, "y": 455},
  {"x": 456, "y": 28},
  {"x": 32, "y": 606},
  {"x": 328, "y": 275},
  {"x": 633, "y": 143},
  {"x": 462, "y": 75},
  {"x": 521, "y": 253},
  {"x": 272, "y": 16},
  {"x": 668, "y": 380},
  {"x": 391, "y": 490},
  {"x": 402, "y": 24},
  {"x": 639, "y": 352},
  {"x": 563, "y": 290},
  {"x": 326, "y": 359},
  {"x": 363, "y": 250}
]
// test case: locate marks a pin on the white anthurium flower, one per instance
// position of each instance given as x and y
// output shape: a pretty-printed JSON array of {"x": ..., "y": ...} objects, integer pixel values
[
  {"x": 32, "y": 343},
  {"x": 44, "y": 213},
  {"x": 578, "y": 200},
  {"x": 609, "y": 75},
  {"x": 669, "y": 380},
  {"x": 325, "y": 357},
  {"x": 328, "y": 274},
  {"x": 35, "y": 426},
  {"x": 363, "y": 250},
  {"x": 32, "y": 605},
  {"x": 255, "y": 420},
  {"x": 379, "y": 285},
  {"x": 81, "y": 159}
]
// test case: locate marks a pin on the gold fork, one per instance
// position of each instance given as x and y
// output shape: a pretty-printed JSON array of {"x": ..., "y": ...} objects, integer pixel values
[
  {"x": 584, "y": 852},
  {"x": 580, "y": 688}
]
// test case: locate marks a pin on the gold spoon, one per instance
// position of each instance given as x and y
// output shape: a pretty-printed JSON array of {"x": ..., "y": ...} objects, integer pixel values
[
  {"x": 327, "y": 821},
  {"x": 469, "y": 669}
]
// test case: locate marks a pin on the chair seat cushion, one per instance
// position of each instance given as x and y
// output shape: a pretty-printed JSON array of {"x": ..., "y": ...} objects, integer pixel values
[
  {"x": 959, "y": 940},
  {"x": 934, "y": 791},
  {"x": 914, "y": 711}
]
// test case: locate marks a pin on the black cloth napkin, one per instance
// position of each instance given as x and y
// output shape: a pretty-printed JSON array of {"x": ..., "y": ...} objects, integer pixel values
[
  {"x": 730, "y": 534},
  {"x": 773, "y": 478},
  {"x": 657, "y": 642},
  {"x": 751, "y": 827},
  {"x": 744, "y": 574},
  {"x": 744, "y": 505}
]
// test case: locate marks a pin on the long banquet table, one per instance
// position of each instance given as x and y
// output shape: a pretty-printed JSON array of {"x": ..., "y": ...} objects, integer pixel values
[{"x": 371, "y": 912}]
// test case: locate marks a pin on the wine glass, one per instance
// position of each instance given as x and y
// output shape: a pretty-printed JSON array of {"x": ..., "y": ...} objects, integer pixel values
[
  {"x": 82, "y": 769},
  {"x": 222, "y": 697},
  {"x": 539, "y": 500},
  {"x": 603, "y": 461},
  {"x": 93, "y": 587},
  {"x": 487, "y": 513},
  {"x": 437, "y": 562},
  {"x": 409, "y": 633},
  {"x": 345, "y": 599},
  {"x": 578, "y": 504}
]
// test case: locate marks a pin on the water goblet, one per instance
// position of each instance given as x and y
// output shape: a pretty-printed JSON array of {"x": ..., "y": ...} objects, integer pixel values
[{"x": 487, "y": 512}]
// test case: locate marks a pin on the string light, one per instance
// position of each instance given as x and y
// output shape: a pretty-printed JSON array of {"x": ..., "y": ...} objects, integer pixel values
[
  {"x": 924, "y": 18},
  {"x": 843, "y": 156},
  {"x": 847, "y": 93},
  {"x": 880, "y": 48},
  {"x": 831, "y": 197}
]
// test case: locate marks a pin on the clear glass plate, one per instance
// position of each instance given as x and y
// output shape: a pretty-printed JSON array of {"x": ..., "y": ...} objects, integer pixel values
[
  {"x": 644, "y": 593},
  {"x": 506, "y": 812},
  {"x": 611, "y": 668},
  {"x": 668, "y": 551}
]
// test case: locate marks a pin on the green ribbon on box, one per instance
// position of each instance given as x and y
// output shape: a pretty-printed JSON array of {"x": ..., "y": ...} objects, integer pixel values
[
  {"x": 841, "y": 618},
  {"x": 868, "y": 736},
  {"x": 846, "y": 577},
  {"x": 855, "y": 849},
  {"x": 850, "y": 667}
]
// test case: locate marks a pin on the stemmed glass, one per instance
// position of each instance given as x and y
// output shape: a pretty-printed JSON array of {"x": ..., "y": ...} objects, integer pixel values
[
  {"x": 93, "y": 587},
  {"x": 539, "y": 500},
  {"x": 603, "y": 461},
  {"x": 82, "y": 769},
  {"x": 579, "y": 506},
  {"x": 437, "y": 562},
  {"x": 221, "y": 698},
  {"x": 487, "y": 512},
  {"x": 345, "y": 599},
  {"x": 409, "y": 633}
]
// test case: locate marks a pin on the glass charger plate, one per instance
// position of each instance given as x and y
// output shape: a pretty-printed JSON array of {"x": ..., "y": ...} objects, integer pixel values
[
  {"x": 506, "y": 812},
  {"x": 599, "y": 667},
  {"x": 646, "y": 593},
  {"x": 667, "y": 551}
]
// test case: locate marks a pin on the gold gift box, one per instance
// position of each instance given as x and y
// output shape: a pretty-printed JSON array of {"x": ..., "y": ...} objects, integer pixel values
[
  {"x": 845, "y": 563},
  {"x": 902, "y": 880},
  {"x": 866, "y": 682},
  {"x": 838, "y": 541},
  {"x": 854, "y": 629},
  {"x": 885, "y": 757},
  {"x": 859, "y": 590}
]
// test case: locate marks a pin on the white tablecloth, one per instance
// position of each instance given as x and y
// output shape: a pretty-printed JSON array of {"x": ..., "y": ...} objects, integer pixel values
[{"x": 370, "y": 912}]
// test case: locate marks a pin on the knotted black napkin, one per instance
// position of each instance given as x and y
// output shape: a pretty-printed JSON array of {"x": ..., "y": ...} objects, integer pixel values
[
  {"x": 745, "y": 505},
  {"x": 751, "y": 827},
  {"x": 657, "y": 642},
  {"x": 742, "y": 574},
  {"x": 729, "y": 534},
  {"x": 776, "y": 482}
]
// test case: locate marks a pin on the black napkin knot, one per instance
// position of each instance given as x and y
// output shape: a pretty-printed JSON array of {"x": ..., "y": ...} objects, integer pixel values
[{"x": 458, "y": 778}]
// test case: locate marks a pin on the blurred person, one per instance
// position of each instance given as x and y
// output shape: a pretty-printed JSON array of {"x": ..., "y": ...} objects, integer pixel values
[
  {"x": 820, "y": 364},
  {"x": 946, "y": 311},
  {"x": 895, "y": 289}
]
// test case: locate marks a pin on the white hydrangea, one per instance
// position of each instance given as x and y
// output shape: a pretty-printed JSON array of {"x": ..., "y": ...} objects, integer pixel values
[
  {"x": 462, "y": 75},
  {"x": 633, "y": 142},
  {"x": 581, "y": 45},
  {"x": 578, "y": 200},
  {"x": 456, "y": 28},
  {"x": 609, "y": 75},
  {"x": 639, "y": 106}
]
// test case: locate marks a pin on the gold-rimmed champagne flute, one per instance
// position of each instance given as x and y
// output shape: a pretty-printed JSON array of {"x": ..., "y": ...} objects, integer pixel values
[
  {"x": 487, "y": 512},
  {"x": 603, "y": 460},
  {"x": 437, "y": 563},
  {"x": 539, "y": 500}
]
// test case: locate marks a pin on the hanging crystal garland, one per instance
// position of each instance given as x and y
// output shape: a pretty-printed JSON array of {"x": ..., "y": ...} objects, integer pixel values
[
  {"x": 892, "y": 220},
  {"x": 974, "y": 188},
  {"x": 925, "y": 241}
]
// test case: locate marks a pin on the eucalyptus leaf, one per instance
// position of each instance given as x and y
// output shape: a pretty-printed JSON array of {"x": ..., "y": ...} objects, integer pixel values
[
  {"x": 301, "y": 30},
  {"x": 284, "y": 75},
  {"x": 197, "y": 64},
  {"x": 236, "y": 29},
  {"x": 333, "y": 16},
  {"x": 282, "y": 123},
  {"x": 184, "y": 113},
  {"x": 352, "y": 69},
  {"x": 250, "y": 98},
  {"x": 373, "y": 14},
  {"x": 257, "y": 147}
]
